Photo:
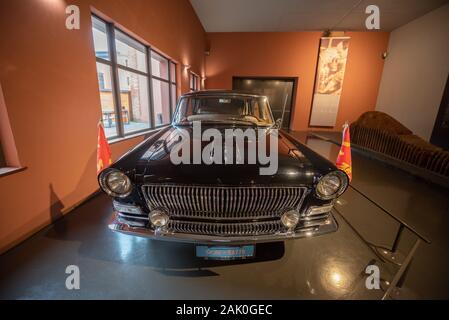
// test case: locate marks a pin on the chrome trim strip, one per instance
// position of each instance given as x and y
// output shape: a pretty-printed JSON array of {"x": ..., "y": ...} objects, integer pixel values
[
  {"x": 131, "y": 216},
  {"x": 315, "y": 217},
  {"x": 121, "y": 207},
  {"x": 311, "y": 231},
  {"x": 309, "y": 212},
  {"x": 225, "y": 229}
]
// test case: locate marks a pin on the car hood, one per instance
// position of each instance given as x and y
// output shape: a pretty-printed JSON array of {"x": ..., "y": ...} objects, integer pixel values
[{"x": 152, "y": 163}]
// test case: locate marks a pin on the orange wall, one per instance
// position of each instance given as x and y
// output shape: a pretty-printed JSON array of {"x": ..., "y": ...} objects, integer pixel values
[
  {"x": 295, "y": 54},
  {"x": 49, "y": 82}
]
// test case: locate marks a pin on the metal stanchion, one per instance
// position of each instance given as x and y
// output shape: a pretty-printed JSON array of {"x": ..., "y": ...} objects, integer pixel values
[
  {"x": 393, "y": 255},
  {"x": 399, "y": 277}
]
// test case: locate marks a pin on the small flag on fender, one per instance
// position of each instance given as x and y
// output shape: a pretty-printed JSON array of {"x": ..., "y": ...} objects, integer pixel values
[
  {"x": 344, "y": 161},
  {"x": 103, "y": 150}
]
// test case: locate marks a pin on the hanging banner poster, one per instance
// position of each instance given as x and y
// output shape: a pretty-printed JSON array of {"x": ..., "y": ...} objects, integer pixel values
[{"x": 329, "y": 81}]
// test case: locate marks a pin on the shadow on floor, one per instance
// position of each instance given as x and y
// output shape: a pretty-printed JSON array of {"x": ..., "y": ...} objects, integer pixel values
[
  {"x": 115, "y": 265},
  {"x": 101, "y": 243}
]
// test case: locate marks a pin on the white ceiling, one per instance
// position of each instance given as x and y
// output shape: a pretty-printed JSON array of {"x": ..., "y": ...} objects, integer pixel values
[{"x": 299, "y": 15}]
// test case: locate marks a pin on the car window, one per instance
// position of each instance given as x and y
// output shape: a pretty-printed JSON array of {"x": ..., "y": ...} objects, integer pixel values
[
  {"x": 254, "y": 110},
  {"x": 219, "y": 106}
]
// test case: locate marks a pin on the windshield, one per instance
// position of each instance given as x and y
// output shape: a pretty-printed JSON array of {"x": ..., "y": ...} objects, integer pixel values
[{"x": 228, "y": 109}]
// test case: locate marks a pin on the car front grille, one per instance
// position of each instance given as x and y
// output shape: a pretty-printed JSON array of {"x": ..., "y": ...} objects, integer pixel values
[
  {"x": 224, "y": 203},
  {"x": 224, "y": 211},
  {"x": 226, "y": 229}
]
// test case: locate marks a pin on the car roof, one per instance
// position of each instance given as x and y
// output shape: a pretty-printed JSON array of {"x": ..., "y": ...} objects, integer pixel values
[{"x": 221, "y": 92}]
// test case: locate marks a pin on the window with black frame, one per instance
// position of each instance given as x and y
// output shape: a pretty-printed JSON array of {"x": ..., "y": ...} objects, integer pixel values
[
  {"x": 194, "y": 82},
  {"x": 137, "y": 85},
  {"x": 173, "y": 87},
  {"x": 163, "y": 79},
  {"x": 2, "y": 158}
]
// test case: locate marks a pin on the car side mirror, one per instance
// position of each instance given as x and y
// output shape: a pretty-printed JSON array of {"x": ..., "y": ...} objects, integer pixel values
[{"x": 278, "y": 123}]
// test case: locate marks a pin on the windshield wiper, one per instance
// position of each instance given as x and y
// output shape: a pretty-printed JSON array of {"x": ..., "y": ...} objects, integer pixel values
[
  {"x": 233, "y": 121},
  {"x": 227, "y": 120}
]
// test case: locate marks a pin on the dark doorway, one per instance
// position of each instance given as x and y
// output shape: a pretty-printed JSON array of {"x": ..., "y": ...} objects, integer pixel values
[
  {"x": 440, "y": 133},
  {"x": 279, "y": 91}
]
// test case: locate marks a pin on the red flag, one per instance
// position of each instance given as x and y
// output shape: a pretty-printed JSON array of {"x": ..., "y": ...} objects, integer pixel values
[
  {"x": 103, "y": 150},
  {"x": 344, "y": 161}
]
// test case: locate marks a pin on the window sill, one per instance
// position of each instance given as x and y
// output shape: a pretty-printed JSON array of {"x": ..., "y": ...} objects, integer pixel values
[
  {"x": 135, "y": 135},
  {"x": 6, "y": 171}
]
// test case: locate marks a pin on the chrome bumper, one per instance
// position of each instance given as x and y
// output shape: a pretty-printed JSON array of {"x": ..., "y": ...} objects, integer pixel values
[{"x": 310, "y": 230}]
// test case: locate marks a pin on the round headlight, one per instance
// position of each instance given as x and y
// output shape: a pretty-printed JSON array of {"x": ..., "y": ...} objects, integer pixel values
[
  {"x": 115, "y": 183},
  {"x": 158, "y": 218},
  {"x": 332, "y": 185},
  {"x": 290, "y": 219}
]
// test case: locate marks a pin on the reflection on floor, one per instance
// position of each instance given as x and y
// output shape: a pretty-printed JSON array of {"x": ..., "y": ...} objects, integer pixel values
[
  {"x": 423, "y": 205},
  {"x": 113, "y": 265},
  {"x": 332, "y": 266}
]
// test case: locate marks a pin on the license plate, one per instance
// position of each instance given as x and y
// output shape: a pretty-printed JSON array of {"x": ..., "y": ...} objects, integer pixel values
[{"x": 225, "y": 252}]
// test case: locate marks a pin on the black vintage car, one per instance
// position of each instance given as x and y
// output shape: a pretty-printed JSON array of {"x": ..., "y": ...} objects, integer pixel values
[{"x": 227, "y": 201}]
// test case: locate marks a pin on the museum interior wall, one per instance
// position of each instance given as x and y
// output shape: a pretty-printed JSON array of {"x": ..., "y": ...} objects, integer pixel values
[
  {"x": 295, "y": 54},
  {"x": 416, "y": 51},
  {"x": 49, "y": 82}
]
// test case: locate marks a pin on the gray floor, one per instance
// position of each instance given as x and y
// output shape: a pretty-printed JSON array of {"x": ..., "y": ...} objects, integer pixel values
[
  {"x": 421, "y": 204},
  {"x": 328, "y": 267}
]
